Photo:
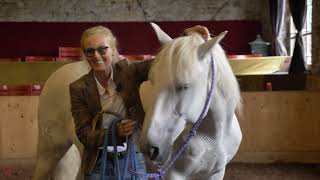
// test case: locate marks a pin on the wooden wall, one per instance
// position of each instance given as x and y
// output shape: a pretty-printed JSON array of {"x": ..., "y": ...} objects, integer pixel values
[
  {"x": 18, "y": 126},
  {"x": 281, "y": 126}
]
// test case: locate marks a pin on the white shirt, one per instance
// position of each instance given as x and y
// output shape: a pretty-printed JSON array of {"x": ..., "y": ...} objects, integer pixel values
[{"x": 111, "y": 101}]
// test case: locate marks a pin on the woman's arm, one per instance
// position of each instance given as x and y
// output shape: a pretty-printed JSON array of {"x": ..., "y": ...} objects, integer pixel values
[{"x": 83, "y": 121}]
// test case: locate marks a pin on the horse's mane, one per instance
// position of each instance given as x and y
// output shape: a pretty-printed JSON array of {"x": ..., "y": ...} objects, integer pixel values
[
  {"x": 226, "y": 80},
  {"x": 180, "y": 56}
]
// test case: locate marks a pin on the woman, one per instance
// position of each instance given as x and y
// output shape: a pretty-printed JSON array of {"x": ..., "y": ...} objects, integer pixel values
[{"x": 98, "y": 91}]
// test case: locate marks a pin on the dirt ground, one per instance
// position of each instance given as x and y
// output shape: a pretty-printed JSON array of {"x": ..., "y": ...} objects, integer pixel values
[{"x": 22, "y": 169}]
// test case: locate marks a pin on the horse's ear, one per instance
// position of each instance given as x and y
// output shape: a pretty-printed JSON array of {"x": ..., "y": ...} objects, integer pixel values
[
  {"x": 162, "y": 36},
  {"x": 205, "y": 48}
]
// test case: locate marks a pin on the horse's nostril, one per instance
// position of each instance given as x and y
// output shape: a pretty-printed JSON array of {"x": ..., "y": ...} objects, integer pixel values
[{"x": 154, "y": 152}]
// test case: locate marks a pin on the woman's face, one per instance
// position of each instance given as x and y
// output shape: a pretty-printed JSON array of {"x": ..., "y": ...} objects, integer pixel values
[{"x": 98, "y": 52}]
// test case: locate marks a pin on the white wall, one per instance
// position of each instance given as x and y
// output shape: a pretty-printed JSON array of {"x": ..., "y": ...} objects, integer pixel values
[{"x": 130, "y": 10}]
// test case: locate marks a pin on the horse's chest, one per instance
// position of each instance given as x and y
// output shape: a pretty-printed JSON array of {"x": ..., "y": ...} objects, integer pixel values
[
  {"x": 201, "y": 156},
  {"x": 203, "y": 148}
]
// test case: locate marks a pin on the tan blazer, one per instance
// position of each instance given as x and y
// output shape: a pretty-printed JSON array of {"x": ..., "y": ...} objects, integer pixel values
[{"x": 85, "y": 104}]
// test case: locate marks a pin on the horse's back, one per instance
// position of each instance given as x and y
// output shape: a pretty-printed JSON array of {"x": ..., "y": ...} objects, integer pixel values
[
  {"x": 54, "y": 104},
  {"x": 56, "y": 127}
]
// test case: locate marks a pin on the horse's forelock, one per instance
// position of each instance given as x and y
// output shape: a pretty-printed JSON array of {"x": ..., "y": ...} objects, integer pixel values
[{"x": 180, "y": 58}]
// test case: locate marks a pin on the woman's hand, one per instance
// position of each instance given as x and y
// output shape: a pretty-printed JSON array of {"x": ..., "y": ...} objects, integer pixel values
[
  {"x": 202, "y": 30},
  {"x": 126, "y": 127}
]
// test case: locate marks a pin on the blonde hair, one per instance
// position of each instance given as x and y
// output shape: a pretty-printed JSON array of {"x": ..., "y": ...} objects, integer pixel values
[{"x": 100, "y": 30}]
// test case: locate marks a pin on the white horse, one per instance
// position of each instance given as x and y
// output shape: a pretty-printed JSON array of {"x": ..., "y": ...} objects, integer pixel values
[
  {"x": 58, "y": 158},
  {"x": 59, "y": 149},
  {"x": 174, "y": 97}
]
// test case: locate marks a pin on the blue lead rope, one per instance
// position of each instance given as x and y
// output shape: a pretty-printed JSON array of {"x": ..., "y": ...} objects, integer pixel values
[{"x": 117, "y": 173}]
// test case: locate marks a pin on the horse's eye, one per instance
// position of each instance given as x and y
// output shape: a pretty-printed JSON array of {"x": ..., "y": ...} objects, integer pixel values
[{"x": 181, "y": 88}]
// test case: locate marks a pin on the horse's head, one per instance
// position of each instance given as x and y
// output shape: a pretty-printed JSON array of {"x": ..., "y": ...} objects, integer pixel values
[{"x": 176, "y": 91}]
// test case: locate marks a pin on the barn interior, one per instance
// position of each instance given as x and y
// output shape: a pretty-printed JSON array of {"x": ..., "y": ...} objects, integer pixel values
[{"x": 273, "y": 48}]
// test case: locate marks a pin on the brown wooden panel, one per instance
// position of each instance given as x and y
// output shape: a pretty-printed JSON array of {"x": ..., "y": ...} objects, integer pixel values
[
  {"x": 280, "y": 121},
  {"x": 276, "y": 126},
  {"x": 19, "y": 127},
  {"x": 3, "y": 118},
  {"x": 279, "y": 82}
]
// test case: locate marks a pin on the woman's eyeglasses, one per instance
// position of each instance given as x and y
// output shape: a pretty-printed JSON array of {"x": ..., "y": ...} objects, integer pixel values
[{"x": 89, "y": 52}]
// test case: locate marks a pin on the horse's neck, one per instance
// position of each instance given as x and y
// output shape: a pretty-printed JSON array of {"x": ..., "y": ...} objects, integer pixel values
[
  {"x": 210, "y": 126},
  {"x": 209, "y": 130}
]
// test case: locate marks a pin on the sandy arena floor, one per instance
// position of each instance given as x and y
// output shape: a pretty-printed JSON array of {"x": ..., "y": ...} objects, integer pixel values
[{"x": 22, "y": 169}]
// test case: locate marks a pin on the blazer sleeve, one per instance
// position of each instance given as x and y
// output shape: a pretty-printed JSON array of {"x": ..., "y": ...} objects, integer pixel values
[
  {"x": 141, "y": 70},
  {"x": 83, "y": 120}
]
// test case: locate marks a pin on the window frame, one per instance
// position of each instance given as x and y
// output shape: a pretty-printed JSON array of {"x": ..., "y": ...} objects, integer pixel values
[{"x": 306, "y": 35}]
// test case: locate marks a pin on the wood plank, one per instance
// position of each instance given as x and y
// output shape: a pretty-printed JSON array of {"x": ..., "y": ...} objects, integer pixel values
[
  {"x": 277, "y": 126},
  {"x": 3, "y": 119},
  {"x": 280, "y": 121},
  {"x": 277, "y": 157},
  {"x": 20, "y": 130}
]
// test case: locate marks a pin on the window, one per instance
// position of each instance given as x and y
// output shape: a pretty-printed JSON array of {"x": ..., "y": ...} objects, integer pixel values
[{"x": 306, "y": 33}]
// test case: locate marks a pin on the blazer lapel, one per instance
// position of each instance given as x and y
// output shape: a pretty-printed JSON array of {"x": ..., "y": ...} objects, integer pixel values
[
  {"x": 117, "y": 73},
  {"x": 93, "y": 97}
]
